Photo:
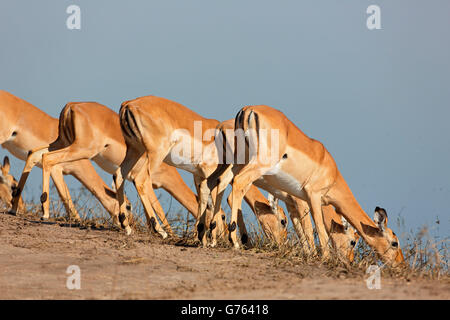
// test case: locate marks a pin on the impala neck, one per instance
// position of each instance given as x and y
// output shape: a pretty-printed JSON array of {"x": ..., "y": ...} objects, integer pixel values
[{"x": 341, "y": 197}]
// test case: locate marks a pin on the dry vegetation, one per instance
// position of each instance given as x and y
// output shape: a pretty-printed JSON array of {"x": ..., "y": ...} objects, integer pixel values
[{"x": 427, "y": 258}]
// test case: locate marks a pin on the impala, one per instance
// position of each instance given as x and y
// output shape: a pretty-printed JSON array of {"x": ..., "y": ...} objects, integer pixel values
[
  {"x": 23, "y": 128},
  {"x": 227, "y": 141},
  {"x": 342, "y": 235},
  {"x": 88, "y": 130},
  {"x": 305, "y": 169},
  {"x": 155, "y": 130},
  {"x": 7, "y": 183}
]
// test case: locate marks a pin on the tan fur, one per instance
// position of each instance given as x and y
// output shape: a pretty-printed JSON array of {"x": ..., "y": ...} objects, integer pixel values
[
  {"x": 343, "y": 239},
  {"x": 89, "y": 130},
  {"x": 23, "y": 128},
  {"x": 8, "y": 184},
  {"x": 297, "y": 208},
  {"x": 320, "y": 183},
  {"x": 148, "y": 119}
]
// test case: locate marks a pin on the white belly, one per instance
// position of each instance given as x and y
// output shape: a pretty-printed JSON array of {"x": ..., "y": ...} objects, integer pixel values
[
  {"x": 174, "y": 159},
  {"x": 277, "y": 179}
]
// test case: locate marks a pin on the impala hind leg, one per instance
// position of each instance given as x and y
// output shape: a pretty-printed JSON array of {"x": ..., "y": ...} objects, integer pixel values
[
  {"x": 222, "y": 182},
  {"x": 241, "y": 184},
  {"x": 150, "y": 193},
  {"x": 64, "y": 194},
  {"x": 84, "y": 171},
  {"x": 49, "y": 161},
  {"x": 143, "y": 184},
  {"x": 136, "y": 167}
]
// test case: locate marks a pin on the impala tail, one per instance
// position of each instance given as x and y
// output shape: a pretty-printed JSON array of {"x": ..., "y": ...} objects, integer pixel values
[
  {"x": 128, "y": 122},
  {"x": 246, "y": 125},
  {"x": 66, "y": 123}
]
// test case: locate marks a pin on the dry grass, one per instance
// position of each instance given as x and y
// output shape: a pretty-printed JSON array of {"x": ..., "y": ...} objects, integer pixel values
[{"x": 425, "y": 256}]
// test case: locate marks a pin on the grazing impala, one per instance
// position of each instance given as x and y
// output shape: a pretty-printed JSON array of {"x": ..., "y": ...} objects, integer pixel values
[
  {"x": 23, "y": 128},
  {"x": 88, "y": 130},
  {"x": 156, "y": 130},
  {"x": 7, "y": 184},
  {"x": 343, "y": 239},
  {"x": 304, "y": 168}
]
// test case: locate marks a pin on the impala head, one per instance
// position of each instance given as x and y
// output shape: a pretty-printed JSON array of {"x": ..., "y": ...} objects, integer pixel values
[
  {"x": 344, "y": 238},
  {"x": 386, "y": 242},
  {"x": 7, "y": 182},
  {"x": 221, "y": 225},
  {"x": 273, "y": 220},
  {"x": 123, "y": 221}
]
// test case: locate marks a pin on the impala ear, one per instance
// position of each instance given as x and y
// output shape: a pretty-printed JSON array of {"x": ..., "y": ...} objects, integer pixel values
[
  {"x": 273, "y": 202},
  {"x": 210, "y": 204},
  {"x": 380, "y": 218},
  {"x": 113, "y": 185},
  {"x": 345, "y": 223},
  {"x": 336, "y": 227},
  {"x": 371, "y": 231},
  {"x": 6, "y": 165}
]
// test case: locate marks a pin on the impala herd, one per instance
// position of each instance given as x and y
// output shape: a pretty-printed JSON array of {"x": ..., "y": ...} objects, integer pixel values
[{"x": 151, "y": 137}]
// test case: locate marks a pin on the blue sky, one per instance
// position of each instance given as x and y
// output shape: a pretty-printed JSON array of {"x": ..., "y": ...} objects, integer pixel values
[{"x": 377, "y": 99}]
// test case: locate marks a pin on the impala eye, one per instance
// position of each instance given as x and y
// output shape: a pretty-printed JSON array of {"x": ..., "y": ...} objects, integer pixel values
[
  {"x": 283, "y": 222},
  {"x": 395, "y": 244}
]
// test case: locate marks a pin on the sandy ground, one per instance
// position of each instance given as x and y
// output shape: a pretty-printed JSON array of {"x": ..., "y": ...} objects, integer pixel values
[{"x": 34, "y": 258}]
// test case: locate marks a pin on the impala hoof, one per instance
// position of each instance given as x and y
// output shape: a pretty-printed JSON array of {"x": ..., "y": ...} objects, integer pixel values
[
  {"x": 163, "y": 234},
  {"x": 244, "y": 239},
  {"x": 128, "y": 230},
  {"x": 75, "y": 219}
]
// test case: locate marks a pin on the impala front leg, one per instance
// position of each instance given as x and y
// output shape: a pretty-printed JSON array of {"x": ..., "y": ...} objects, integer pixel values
[
  {"x": 299, "y": 213},
  {"x": 216, "y": 218},
  {"x": 202, "y": 224},
  {"x": 45, "y": 199},
  {"x": 34, "y": 157},
  {"x": 242, "y": 229},
  {"x": 120, "y": 194},
  {"x": 315, "y": 204}
]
